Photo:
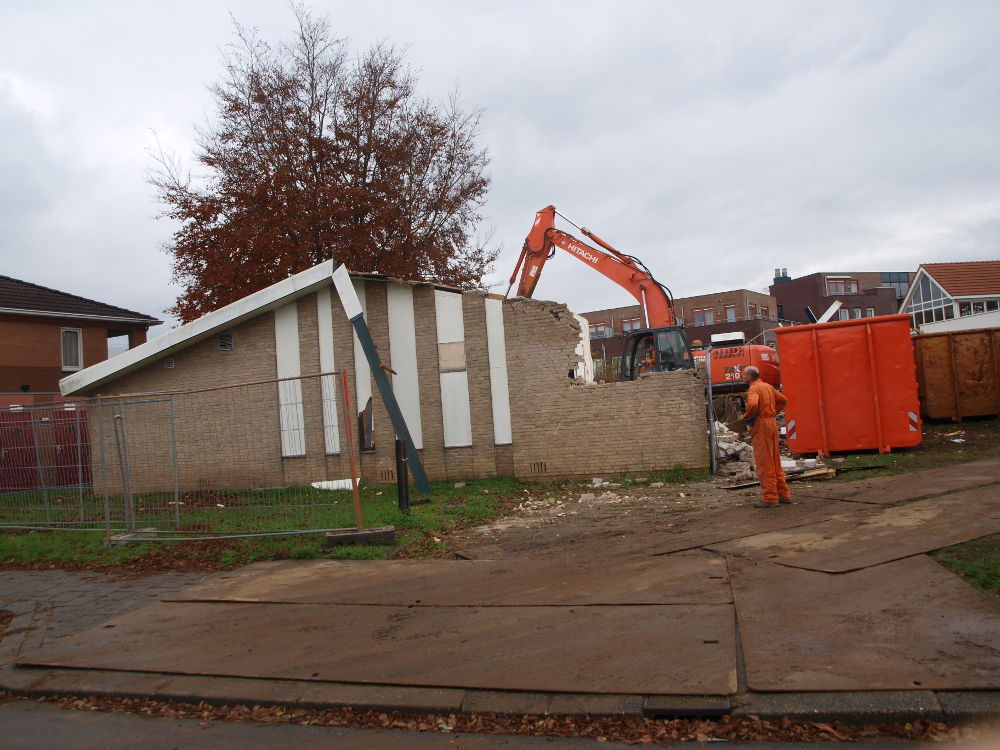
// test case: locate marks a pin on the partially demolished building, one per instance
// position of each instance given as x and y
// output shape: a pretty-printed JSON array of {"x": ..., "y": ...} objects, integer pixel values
[{"x": 487, "y": 386}]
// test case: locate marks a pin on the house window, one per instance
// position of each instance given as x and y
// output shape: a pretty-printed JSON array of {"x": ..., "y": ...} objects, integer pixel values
[
  {"x": 72, "y": 347},
  {"x": 601, "y": 331},
  {"x": 631, "y": 324},
  {"x": 753, "y": 311},
  {"x": 841, "y": 286},
  {"x": 856, "y": 313},
  {"x": 869, "y": 312},
  {"x": 765, "y": 313},
  {"x": 898, "y": 280},
  {"x": 704, "y": 316},
  {"x": 730, "y": 313},
  {"x": 843, "y": 313}
]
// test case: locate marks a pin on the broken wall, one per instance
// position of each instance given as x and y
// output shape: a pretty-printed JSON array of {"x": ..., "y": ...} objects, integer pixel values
[
  {"x": 566, "y": 428},
  {"x": 485, "y": 385}
]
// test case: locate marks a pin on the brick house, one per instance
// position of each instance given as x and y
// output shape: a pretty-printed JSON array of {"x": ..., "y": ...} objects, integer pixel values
[
  {"x": 862, "y": 294},
  {"x": 954, "y": 296},
  {"x": 738, "y": 310},
  {"x": 481, "y": 381},
  {"x": 46, "y": 334}
]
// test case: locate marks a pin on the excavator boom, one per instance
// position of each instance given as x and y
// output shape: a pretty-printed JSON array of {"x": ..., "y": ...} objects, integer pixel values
[
  {"x": 661, "y": 346},
  {"x": 624, "y": 270}
]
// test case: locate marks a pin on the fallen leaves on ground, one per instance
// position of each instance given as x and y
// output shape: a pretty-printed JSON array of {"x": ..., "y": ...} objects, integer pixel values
[{"x": 628, "y": 729}]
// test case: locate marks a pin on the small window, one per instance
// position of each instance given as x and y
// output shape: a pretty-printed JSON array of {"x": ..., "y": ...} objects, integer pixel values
[
  {"x": 753, "y": 311},
  {"x": 730, "y": 313},
  {"x": 632, "y": 324},
  {"x": 601, "y": 331},
  {"x": 869, "y": 312},
  {"x": 72, "y": 340},
  {"x": 765, "y": 313},
  {"x": 705, "y": 316},
  {"x": 844, "y": 313},
  {"x": 856, "y": 313},
  {"x": 227, "y": 341}
]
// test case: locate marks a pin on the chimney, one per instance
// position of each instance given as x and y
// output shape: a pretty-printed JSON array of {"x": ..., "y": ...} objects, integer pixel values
[{"x": 781, "y": 275}]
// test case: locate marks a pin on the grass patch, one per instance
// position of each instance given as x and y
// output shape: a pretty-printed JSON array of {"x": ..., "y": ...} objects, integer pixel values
[
  {"x": 942, "y": 444},
  {"x": 420, "y": 534},
  {"x": 978, "y": 562}
]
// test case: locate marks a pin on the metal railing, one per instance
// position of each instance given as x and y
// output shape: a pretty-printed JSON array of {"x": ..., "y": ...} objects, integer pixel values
[{"x": 218, "y": 462}]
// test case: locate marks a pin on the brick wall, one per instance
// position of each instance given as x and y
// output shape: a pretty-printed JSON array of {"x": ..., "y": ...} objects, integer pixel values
[
  {"x": 32, "y": 350},
  {"x": 795, "y": 295},
  {"x": 563, "y": 428},
  {"x": 231, "y": 437}
]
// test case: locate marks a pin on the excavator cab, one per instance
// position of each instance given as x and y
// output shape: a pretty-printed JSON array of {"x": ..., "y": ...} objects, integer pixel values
[{"x": 654, "y": 350}]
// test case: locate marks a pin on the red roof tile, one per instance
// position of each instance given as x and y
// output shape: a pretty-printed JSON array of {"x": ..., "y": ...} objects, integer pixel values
[
  {"x": 966, "y": 279},
  {"x": 23, "y": 295}
]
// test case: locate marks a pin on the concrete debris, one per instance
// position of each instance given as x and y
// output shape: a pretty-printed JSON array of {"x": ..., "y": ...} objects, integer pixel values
[
  {"x": 588, "y": 497},
  {"x": 656, "y": 484},
  {"x": 734, "y": 457}
]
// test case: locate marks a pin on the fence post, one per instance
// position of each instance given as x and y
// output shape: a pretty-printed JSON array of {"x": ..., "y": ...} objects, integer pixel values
[
  {"x": 402, "y": 478},
  {"x": 713, "y": 460},
  {"x": 79, "y": 461},
  {"x": 173, "y": 461},
  {"x": 39, "y": 470},
  {"x": 121, "y": 449},
  {"x": 104, "y": 472}
]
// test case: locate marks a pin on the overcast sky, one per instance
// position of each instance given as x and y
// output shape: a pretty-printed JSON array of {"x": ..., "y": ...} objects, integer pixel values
[{"x": 714, "y": 140}]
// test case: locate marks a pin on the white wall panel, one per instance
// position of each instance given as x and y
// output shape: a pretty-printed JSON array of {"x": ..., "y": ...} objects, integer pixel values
[
  {"x": 290, "y": 414},
  {"x": 403, "y": 357},
  {"x": 499, "y": 387},
  {"x": 362, "y": 373},
  {"x": 455, "y": 411},
  {"x": 328, "y": 383}
]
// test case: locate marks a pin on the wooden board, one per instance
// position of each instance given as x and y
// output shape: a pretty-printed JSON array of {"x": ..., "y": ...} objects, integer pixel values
[
  {"x": 859, "y": 541},
  {"x": 677, "y": 580},
  {"x": 680, "y": 649},
  {"x": 908, "y": 625}
]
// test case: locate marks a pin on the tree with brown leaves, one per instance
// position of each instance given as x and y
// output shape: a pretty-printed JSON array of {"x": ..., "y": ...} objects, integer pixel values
[{"x": 314, "y": 156}]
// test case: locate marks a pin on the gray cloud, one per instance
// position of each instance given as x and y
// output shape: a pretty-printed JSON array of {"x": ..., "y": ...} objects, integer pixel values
[{"x": 714, "y": 140}]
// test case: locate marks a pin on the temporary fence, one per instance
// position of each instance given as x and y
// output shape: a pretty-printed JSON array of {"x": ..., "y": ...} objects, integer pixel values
[{"x": 217, "y": 462}]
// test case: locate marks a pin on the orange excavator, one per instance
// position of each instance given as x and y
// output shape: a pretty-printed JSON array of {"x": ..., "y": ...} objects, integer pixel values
[{"x": 663, "y": 345}]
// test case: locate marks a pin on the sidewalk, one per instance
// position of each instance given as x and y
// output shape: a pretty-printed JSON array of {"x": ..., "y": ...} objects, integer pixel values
[{"x": 533, "y": 637}]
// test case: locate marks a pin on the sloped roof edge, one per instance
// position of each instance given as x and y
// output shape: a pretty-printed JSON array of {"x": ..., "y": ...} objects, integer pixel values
[
  {"x": 273, "y": 296},
  {"x": 26, "y": 297}
]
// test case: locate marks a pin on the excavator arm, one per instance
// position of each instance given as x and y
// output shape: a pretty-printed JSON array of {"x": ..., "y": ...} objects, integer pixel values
[{"x": 626, "y": 271}]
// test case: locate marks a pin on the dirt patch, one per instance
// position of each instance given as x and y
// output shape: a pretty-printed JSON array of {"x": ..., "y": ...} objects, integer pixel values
[
  {"x": 5, "y": 619},
  {"x": 578, "y": 520}
]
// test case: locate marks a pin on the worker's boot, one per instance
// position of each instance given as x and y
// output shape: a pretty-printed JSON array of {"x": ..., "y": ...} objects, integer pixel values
[
  {"x": 785, "y": 500},
  {"x": 762, "y": 504}
]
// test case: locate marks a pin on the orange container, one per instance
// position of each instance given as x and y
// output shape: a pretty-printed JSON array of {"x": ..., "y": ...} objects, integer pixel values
[{"x": 851, "y": 385}]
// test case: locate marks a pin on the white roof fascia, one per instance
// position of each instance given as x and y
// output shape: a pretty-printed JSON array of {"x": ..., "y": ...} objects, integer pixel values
[
  {"x": 77, "y": 316},
  {"x": 273, "y": 296}
]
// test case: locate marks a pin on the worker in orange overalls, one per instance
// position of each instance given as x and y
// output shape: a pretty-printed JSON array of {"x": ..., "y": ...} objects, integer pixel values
[{"x": 763, "y": 404}]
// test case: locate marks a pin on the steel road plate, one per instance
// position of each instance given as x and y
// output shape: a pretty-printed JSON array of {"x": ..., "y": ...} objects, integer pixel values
[
  {"x": 907, "y": 625},
  {"x": 652, "y": 649}
]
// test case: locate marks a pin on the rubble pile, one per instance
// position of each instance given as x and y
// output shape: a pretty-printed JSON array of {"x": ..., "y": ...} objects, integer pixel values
[{"x": 733, "y": 456}]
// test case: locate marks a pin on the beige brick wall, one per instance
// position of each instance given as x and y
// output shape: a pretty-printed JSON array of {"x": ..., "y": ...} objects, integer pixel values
[
  {"x": 561, "y": 428},
  {"x": 564, "y": 428}
]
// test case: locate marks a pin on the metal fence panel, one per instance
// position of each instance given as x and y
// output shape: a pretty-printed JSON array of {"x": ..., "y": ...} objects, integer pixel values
[{"x": 212, "y": 462}]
